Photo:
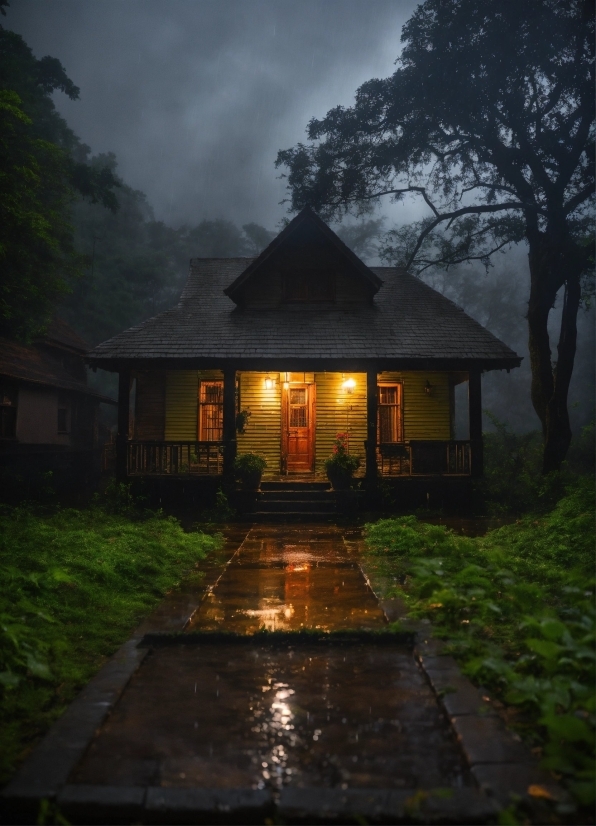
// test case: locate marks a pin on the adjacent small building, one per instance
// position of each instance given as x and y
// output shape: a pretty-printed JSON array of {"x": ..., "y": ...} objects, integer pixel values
[
  {"x": 49, "y": 416},
  {"x": 280, "y": 353}
]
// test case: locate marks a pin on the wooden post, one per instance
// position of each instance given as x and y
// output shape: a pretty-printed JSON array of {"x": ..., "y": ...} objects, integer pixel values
[
  {"x": 123, "y": 424},
  {"x": 229, "y": 421},
  {"x": 475, "y": 413},
  {"x": 371, "y": 427}
]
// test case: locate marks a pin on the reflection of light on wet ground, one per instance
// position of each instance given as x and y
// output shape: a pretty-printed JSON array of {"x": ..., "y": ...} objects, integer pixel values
[
  {"x": 278, "y": 723},
  {"x": 272, "y": 618},
  {"x": 280, "y": 581}
]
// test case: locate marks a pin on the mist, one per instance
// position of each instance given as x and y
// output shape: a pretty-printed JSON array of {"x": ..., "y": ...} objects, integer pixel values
[{"x": 196, "y": 98}]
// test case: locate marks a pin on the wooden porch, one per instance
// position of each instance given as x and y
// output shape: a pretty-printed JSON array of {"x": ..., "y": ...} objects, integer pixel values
[{"x": 198, "y": 458}]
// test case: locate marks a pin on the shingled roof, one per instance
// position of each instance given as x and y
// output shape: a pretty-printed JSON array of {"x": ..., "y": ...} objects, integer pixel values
[
  {"x": 407, "y": 325},
  {"x": 32, "y": 364}
]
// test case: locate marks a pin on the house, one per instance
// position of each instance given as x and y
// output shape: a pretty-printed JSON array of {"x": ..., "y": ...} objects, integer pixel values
[
  {"x": 48, "y": 414},
  {"x": 279, "y": 353}
]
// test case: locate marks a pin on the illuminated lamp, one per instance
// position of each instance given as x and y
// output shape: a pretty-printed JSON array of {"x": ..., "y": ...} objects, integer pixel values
[
  {"x": 286, "y": 381},
  {"x": 268, "y": 383},
  {"x": 428, "y": 388},
  {"x": 349, "y": 385}
]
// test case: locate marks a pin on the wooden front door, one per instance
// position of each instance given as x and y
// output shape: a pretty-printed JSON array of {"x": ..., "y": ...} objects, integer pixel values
[{"x": 299, "y": 427}]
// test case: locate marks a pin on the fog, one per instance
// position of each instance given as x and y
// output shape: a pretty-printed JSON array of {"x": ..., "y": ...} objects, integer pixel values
[{"x": 195, "y": 98}]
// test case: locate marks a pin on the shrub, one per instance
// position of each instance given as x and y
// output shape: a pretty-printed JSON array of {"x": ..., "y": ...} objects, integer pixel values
[
  {"x": 517, "y": 609},
  {"x": 249, "y": 464},
  {"x": 341, "y": 461}
]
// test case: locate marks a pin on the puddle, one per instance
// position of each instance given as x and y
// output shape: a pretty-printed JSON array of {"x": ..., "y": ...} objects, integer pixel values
[
  {"x": 288, "y": 579},
  {"x": 261, "y": 716}
]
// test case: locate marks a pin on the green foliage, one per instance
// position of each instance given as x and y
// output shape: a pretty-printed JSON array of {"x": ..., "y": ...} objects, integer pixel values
[
  {"x": 517, "y": 607},
  {"x": 512, "y": 483},
  {"x": 121, "y": 498},
  {"x": 249, "y": 464},
  {"x": 43, "y": 168},
  {"x": 34, "y": 232},
  {"x": 211, "y": 518},
  {"x": 341, "y": 461},
  {"x": 72, "y": 587}
]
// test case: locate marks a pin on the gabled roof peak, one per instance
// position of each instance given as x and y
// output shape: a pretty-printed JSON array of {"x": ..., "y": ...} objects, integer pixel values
[{"x": 306, "y": 216}]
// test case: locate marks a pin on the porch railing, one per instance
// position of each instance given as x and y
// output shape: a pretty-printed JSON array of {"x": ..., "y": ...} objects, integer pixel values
[
  {"x": 175, "y": 458},
  {"x": 425, "y": 458}
]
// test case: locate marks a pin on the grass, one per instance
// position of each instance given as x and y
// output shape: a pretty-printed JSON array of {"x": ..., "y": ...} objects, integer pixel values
[
  {"x": 517, "y": 610},
  {"x": 73, "y": 585}
]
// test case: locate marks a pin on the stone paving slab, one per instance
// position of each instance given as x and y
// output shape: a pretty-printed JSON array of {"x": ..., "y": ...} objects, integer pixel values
[
  {"x": 271, "y": 715},
  {"x": 456, "y": 806}
]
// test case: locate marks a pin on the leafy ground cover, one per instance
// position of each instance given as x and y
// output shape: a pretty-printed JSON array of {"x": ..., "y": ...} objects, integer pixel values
[
  {"x": 73, "y": 585},
  {"x": 517, "y": 609}
]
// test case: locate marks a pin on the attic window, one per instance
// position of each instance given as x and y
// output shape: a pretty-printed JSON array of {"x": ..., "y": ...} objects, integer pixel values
[{"x": 310, "y": 287}]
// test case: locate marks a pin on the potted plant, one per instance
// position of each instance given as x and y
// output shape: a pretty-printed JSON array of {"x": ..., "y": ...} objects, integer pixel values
[
  {"x": 242, "y": 420},
  {"x": 249, "y": 468},
  {"x": 341, "y": 465}
]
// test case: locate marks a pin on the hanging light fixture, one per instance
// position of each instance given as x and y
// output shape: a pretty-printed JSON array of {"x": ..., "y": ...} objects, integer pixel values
[
  {"x": 268, "y": 383},
  {"x": 349, "y": 385}
]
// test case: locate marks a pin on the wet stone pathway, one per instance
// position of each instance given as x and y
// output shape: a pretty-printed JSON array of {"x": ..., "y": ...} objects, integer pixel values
[{"x": 259, "y": 714}]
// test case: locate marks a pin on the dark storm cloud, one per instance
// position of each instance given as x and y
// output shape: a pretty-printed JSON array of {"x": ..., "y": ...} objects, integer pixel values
[{"x": 195, "y": 97}]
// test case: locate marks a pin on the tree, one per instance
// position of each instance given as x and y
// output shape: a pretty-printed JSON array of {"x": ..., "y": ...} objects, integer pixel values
[
  {"x": 489, "y": 119},
  {"x": 135, "y": 266},
  {"x": 43, "y": 168}
]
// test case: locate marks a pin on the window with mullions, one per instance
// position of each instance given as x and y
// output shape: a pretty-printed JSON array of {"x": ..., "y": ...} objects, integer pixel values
[
  {"x": 390, "y": 413},
  {"x": 211, "y": 411}
]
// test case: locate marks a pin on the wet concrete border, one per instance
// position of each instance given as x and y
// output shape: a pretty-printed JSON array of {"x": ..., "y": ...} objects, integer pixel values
[{"x": 502, "y": 766}]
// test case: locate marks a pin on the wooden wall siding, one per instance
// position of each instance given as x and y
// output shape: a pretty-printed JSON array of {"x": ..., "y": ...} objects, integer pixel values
[
  {"x": 181, "y": 405},
  {"x": 338, "y": 412},
  {"x": 150, "y": 406},
  {"x": 425, "y": 417},
  {"x": 263, "y": 430}
]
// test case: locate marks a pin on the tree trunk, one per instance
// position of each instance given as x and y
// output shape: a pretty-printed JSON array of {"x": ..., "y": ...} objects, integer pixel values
[{"x": 554, "y": 262}]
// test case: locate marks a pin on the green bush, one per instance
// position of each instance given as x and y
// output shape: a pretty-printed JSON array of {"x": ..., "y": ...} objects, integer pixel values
[
  {"x": 73, "y": 585},
  {"x": 249, "y": 464},
  {"x": 517, "y": 609},
  {"x": 341, "y": 462}
]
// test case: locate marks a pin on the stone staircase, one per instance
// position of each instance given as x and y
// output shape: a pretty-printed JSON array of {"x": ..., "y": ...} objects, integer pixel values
[{"x": 303, "y": 501}]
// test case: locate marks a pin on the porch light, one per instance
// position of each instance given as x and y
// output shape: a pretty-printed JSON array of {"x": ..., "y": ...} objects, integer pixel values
[
  {"x": 286, "y": 381},
  {"x": 428, "y": 388},
  {"x": 349, "y": 385},
  {"x": 268, "y": 383}
]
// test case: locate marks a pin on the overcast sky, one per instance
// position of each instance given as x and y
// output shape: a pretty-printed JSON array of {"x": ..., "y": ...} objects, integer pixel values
[{"x": 195, "y": 97}]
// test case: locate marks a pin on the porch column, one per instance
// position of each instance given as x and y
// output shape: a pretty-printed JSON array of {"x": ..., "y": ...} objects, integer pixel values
[
  {"x": 371, "y": 426},
  {"x": 229, "y": 420},
  {"x": 475, "y": 413},
  {"x": 123, "y": 424}
]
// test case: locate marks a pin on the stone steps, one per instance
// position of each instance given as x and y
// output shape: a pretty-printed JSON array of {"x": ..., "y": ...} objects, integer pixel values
[{"x": 295, "y": 500}]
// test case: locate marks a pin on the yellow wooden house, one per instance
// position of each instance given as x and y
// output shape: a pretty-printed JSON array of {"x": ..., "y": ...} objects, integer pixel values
[{"x": 280, "y": 353}]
